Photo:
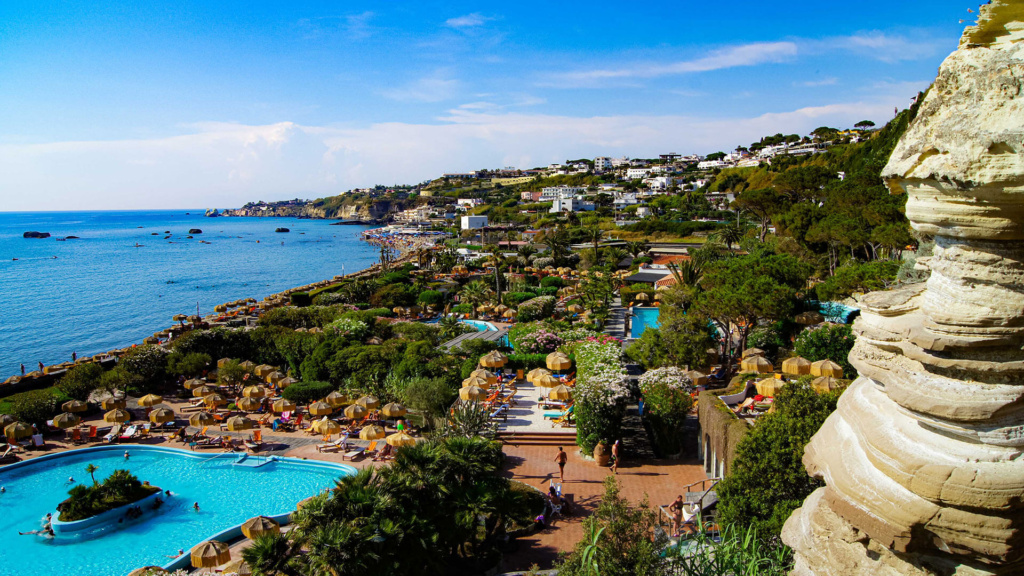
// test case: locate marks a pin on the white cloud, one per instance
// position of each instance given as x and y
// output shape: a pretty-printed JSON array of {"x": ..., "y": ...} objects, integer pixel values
[
  {"x": 430, "y": 89},
  {"x": 224, "y": 165},
  {"x": 731, "y": 57},
  {"x": 468, "y": 21},
  {"x": 832, "y": 81},
  {"x": 871, "y": 44},
  {"x": 879, "y": 46}
]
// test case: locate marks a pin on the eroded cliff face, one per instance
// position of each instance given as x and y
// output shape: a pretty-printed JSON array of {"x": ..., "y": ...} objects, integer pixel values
[{"x": 923, "y": 458}]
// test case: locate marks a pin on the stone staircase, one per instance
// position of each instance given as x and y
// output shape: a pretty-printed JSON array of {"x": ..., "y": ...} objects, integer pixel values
[
  {"x": 538, "y": 438},
  {"x": 635, "y": 442}
]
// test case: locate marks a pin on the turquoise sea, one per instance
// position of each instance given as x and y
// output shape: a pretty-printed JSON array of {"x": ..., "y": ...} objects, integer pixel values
[{"x": 101, "y": 292}]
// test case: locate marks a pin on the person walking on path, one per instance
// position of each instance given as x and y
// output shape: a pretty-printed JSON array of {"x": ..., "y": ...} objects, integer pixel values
[
  {"x": 22, "y": 369},
  {"x": 561, "y": 458},
  {"x": 41, "y": 366},
  {"x": 616, "y": 456},
  {"x": 74, "y": 356}
]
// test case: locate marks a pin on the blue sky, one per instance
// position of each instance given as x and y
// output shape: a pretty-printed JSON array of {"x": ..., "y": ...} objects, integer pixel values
[{"x": 211, "y": 104}]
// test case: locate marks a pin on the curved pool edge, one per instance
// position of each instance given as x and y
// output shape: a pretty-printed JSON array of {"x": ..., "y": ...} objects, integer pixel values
[{"x": 229, "y": 533}]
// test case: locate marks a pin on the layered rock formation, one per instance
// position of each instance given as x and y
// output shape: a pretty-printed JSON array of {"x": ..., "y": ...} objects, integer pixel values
[{"x": 924, "y": 459}]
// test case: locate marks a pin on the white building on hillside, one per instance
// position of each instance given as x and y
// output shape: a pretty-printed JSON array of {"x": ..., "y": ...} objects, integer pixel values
[
  {"x": 603, "y": 163},
  {"x": 637, "y": 173},
  {"x": 468, "y": 203},
  {"x": 570, "y": 204},
  {"x": 707, "y": 164},
  {"x": 473, "y": 222},
  {"x": 551, "y": 192}
]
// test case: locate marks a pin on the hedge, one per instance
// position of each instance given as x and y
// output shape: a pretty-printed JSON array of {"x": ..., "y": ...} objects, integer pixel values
[
  {"x": 301, "y": 299},
  {"x": 306, "y": 392},
  {"x": 514, "y": 299}
]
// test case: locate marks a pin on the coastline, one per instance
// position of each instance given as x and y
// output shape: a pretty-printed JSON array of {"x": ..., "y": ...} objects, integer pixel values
[{"x": 407, "y": 250}]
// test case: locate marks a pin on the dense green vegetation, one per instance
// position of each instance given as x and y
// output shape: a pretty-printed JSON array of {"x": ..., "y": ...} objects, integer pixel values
[
  {"x": 439, "y": 508},
  {"x": 119, "y": 489},
  {"x": 768, "y": 480}
]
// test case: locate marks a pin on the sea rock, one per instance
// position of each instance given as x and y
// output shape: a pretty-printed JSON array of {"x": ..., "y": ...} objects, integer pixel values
[
  {"x": 212, "y": 213},
  {"x": 36, "y": 235},
  {"x": 71, "y": 237},
  {"x": 195, "y": 231},
  {"x": 923, "y": 460},
  {"x": 282, "y": 230}
]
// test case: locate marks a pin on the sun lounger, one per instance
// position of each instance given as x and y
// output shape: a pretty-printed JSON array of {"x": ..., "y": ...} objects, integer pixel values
[
  {"x": 144, "y": 430},
  {"x": 558, "y": 414},
  {"x": 255, "y": 441},
  {"x": 339, "y": 444},
  {"x": 130, "y": 433},
  {"x": 37, "y": 440},
  {"x": 215, "y": 442},
  {"x": 113, "y": 434},
  {"x": 501, "y": 412},
  {"x": 92, "y": 437},
  {"x": 76, "y": 436}
]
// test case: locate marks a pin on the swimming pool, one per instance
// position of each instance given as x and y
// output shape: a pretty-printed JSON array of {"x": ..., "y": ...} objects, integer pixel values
[
  {"x": 227, "y": 495},
  {"x": 642, "y": 319},
  {"x": 480, "y": 325}
]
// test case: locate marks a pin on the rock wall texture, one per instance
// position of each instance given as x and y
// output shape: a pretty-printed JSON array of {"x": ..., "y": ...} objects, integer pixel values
[{"x": 924, "y": 458}]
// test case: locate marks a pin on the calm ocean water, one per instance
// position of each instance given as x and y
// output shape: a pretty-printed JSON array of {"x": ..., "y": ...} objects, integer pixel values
[{"x": 101, "y": 292}]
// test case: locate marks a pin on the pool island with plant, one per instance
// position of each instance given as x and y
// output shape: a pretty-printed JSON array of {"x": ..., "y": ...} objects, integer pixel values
[{"x": 119, "y": 490}]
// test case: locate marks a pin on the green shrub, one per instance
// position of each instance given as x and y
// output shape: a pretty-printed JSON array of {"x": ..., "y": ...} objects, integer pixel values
[
  {"x": 514, "y": 299},
  {"x": 36, "y": 406},
  {"x": 301, "y": 299},
  {"x": 856, "y": 278},
  {"x": 767, "y": 479},
  {"x": 80, "y": 381},
  {"x": 306, "y": 392},
  {"x": 547, "y": 291},
  {"x": 463, "y": 308},
  {"x": 187, "y": 365},
  {"x": 391, "y": 296},
  {"x": 827, "y": 342},
  {"x": 430, "y": 297},
  {"x": 526, "y": 362},
  {"x": 551, "y": 281},
  {"x": 431, "y": 396}
]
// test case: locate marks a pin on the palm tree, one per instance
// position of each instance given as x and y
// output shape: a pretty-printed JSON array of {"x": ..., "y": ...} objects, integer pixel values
[
  {"x": 594, "y": 234},
  {"x": 525, "y": 251},
  {"x": 474, "y": 294},
  {"x": 449, "y": 327},
  {"x": 273, "y": 555},
  {"x": 91, "y": 469},
  {"x": 636, "y": 247},
  {"x": 729, "y": 235}
]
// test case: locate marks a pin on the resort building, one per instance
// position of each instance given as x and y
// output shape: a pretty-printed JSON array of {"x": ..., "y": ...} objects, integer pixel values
[
  {"x": 473, "y": 222},
  {"x": 552, "y": 192},
  {"x": 602, "y": 163},
  {"x": 560, "y": 205}
]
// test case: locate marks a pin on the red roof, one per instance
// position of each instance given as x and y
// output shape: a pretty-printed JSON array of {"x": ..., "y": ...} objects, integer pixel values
[{"x": 670, "y": 259}]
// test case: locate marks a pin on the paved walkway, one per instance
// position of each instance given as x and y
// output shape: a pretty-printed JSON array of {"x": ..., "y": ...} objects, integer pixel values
[
  {"x": 659, "y": 480},
  {"x": 616, "y": 324}
]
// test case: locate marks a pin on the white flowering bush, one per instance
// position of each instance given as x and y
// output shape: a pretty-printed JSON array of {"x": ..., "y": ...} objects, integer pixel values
[
  {"x": 351, "y": 327},
  {"x": 668, "y": 397},
  {"x": 539, "y": 308},
  {"x": 601, "y": 393}
]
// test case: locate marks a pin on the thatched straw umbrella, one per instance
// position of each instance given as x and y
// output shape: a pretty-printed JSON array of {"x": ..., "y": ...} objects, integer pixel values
[
  {"x": 259, "y": 526},
  {"x": 239, "y": 423},
  {"x": 796, "y": 366},
  {"x": 209, "y": 554},
  {"x": 756, "y": 364},
  {"x": 826, "y": 368},
  {"x": 472, "y": 393},
  {"x": 369, "y": 402},
  {"x": 371, "y": 433},
  {"x": 200, "y": 419},
  {"x": 356, "y": 412}
]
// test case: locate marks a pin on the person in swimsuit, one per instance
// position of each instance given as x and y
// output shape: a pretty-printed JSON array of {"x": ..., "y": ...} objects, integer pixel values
[
  {"x": 616, "y": 457},
  {"x": 561, "y": 458},
  {"x": 676, "y": 508}
]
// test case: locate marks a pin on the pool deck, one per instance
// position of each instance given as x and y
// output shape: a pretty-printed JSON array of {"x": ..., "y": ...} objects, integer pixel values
[{"x": 659, "y": 480}]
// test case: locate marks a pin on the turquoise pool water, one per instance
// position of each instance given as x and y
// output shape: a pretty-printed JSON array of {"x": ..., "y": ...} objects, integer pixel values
[
  {"x": 642, "y": 319},
  {"x": 227, "y": 495}
]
